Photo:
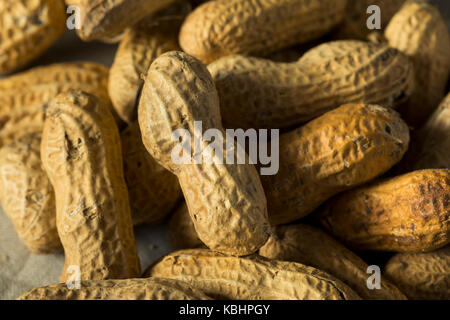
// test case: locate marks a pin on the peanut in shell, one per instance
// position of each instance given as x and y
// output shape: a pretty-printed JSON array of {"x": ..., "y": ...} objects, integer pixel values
[{"x": 181, "y": 232}]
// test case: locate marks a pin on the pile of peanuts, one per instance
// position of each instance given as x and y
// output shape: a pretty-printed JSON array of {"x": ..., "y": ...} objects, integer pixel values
[{"x": 87, "y": 151}]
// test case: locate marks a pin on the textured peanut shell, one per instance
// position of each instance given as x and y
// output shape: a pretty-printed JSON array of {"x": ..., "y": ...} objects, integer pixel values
[
  {"x": 256, "y": 27},
  {"x": 342, "y": 149},
  {"x": 226, "y": 201},
  {"x": 140, "y": 46},
  {"x": 264, "y": 94},
  {"x": 25, "y": 97},
  {"x": 313, "y": 247},
  {"x": 107, "y": 18},
  {"x": 422, "y": 276},
  {"x": 419, "y": 31},
  {"x": 28, "y": 29},
  {"x": 82, "y": 155},
  {"x": 249, "y": 278},
  {"x": 129, "y": 289},
  {"x": 153, "y": 190},
  {"x": 181, "y": 232},
  {"x": 27, "y": 196},
  {"x": 408, "y": 213}
]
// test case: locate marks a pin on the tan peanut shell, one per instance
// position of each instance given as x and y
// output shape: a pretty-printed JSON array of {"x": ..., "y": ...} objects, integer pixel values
[
  {"x": 24, "y": 97},
  {"x": 107, "y": 18},
  {"x": 419, "y": 31},
  {"x": 408, "y": 213},
  {"x": 27, "y": 196},
  {"x": 343, "y": 148},
  {"x": 256, "y": 27},
  {"x": 249, "y": 278},
  {"x": 140, "y": 46},
  {"x": 82, "y": 155},
  {"x": 153, "y": 190},
  {"x": 422, "y": 276},
  {"x": 226, "y": 201},
  {"x": 129, "y": 289},
  {"x": 313, "y": 247},
  {"x": 264, "y": 94},
  {"x": 181, "y": 232},
  {"x": 28, "y": 29}
]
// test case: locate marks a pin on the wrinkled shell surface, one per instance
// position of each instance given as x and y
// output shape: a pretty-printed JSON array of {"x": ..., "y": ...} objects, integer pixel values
[{"x": 181, "y": 230}]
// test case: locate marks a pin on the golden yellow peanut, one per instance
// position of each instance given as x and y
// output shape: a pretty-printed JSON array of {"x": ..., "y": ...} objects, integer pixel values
[
  {"x": 82, "y": 155},
  {"x": 256, "y": 27},
  {"x": 27, "y": 196},
  {"x": 140, "y": 46},
  {"x": 249, "y": 278},
  {"x": 181, "y": 230},
  {"x": 129, "y": 289},
  {"x": 28, "y": 29},
  {"x": 25, "y": 97},
  {"x": 226, "y": 201},
  {"x": 422, "y": 276},
  {"x": 313, "y": 247},
  {"x": 344, "y": 148},
  {"x": 258, "y": 93},
  {"x": 153, "y": 190},
  {"x": 408, "y": 213},
  {"x": 419, "y": 31},
  {"x": 107, "y": 18}
]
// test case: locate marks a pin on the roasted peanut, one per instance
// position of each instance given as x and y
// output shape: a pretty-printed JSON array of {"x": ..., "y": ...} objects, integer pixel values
[
  {"x": 249, "y": 278},
  {"x": 408, "y": 213},
  {"x": 223, "y": 27},
  {"x": 419, "y": 31},
  {"x": 27, "y": 195},
  {"x": 130, "y": 289},
  {"x": 181, "y": 230},
  {"x": 343, "y": 148},
  {"x": 81, "y": 153},
  {"x": 226, "y": 201},
  {"x": 153, "y": 190},
  {"x": 28, "y": 29},
  {"x": 263, "y": 94},
  {"x": 313, "y": 247}
]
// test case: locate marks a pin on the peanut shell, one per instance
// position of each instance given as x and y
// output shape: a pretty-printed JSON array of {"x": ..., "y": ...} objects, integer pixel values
[{"x": 181, "y": 230}]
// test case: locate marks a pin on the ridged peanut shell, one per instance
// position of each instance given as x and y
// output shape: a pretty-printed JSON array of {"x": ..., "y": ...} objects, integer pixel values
[
  {"x": 24, "y": 97},
  {"x": 343, "y": 148},
  {"x": 256, "y": 27},
  {"x": 407, "y": 213},
  {"x": 226, "y": 201},
  {"x": 129, "y": 289},
  {"x": 422, "y": 276},
  {"x": 181, "y": 232},
  {"x": 259, "y": 93},
  {"x": 311, "y": 246},
  {"x": 107, "y": 18},
  {"x": 27, "y": 196},
  {"x": 419, "y": 31},
  {"x": 249, "y": 278},
  {"x": 153, "y": 190},
  {"x": 28, "y": 29},
  {"x": 81, "y": 153}
]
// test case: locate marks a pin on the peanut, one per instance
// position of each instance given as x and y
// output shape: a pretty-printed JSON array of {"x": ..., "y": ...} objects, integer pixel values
[
  {"x": 107, "y": 18},
  {"x": 419, "y": 31},
  {"x": 422, "y": 275},
  {"x": 223, "y": 27},
  {"x": 24, "y": 97},
  {"x": 27, "y": 195},
  {"x": 263, "y": 94},
  {"x": 181, "y": 230},
  {"x": 179, "y": 90},
  {"x": 343, "y": 148},
  {"x": 153, "y": 190},
  {"x": 313, "y": 247},
  {"x": 249, "y": 278},
  {"x": 28, "y": 29},
  {"x": 130, "y": 289},
  {"x": 408, "y": 213},
  {"x": 81, "y": 154}
]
